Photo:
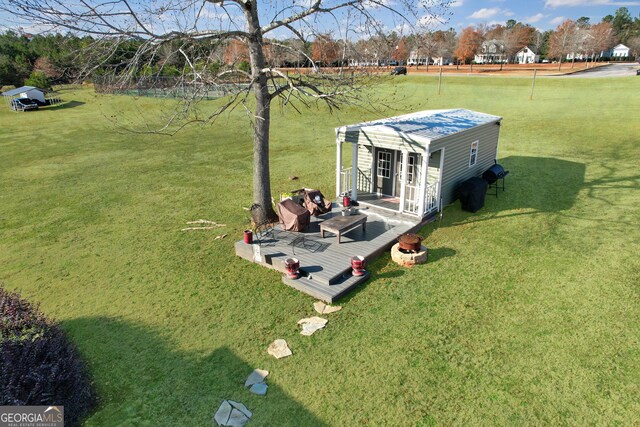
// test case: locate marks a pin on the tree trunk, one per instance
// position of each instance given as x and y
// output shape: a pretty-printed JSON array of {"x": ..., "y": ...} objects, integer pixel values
[{"x": 262, "y": 120}]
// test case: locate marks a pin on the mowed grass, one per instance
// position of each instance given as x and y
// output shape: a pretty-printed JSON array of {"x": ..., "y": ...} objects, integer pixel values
[{"x": 527, "y": 313}]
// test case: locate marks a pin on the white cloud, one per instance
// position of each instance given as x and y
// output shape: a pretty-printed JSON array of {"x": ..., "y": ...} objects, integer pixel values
[
  {"x": 378, "y": 4},
  {"x": 557, "y": 20},
  {"x": 508, "y": 13},
  {"x": 485, "y": 13},
  {"x": 570, "y": 3},
  {"x": 403, "y": 28},
  {"x": 456, "y": 3},
  {"x": 535, "y": 18}
]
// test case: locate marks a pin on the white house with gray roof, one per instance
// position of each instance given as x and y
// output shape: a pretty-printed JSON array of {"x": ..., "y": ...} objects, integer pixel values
[
  {"x": 412, "y": 164},
  {"x": 527, "y": 56}
]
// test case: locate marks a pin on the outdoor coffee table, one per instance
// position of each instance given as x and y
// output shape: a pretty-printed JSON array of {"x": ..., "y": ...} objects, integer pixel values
[{"x": 339, "y": 225}]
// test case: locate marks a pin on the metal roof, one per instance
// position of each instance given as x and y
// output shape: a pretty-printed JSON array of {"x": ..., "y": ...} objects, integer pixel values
[
  {"x": 18, "y": 91},
  {"x": 426, "y": 125}
]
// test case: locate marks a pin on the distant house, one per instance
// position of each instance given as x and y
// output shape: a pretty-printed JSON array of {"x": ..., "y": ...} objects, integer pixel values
[
  {"x": 491, "y": 52},
  {"x": 577, "y": 56},
  {"x": 527, "y": 56},
  {"x": 619, "y": 51},
  {"x": 416, "y": 58}
]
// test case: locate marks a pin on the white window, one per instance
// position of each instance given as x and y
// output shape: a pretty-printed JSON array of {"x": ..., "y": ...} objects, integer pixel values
[
  {"x": 384, "y": 164},
  {"x": 473, "y": 155},
  {"x": 411, "y": 168}
]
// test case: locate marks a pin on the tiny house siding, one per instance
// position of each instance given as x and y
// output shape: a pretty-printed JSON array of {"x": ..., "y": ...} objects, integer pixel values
[
  {"x": 391, "y": 141},
  {"x": 433, "y": 171},
  {"x": 364, "y": 165},
  {"x": 456, "y": 156}
]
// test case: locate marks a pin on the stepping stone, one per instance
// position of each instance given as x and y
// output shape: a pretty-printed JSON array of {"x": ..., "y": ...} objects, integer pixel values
[
  {"x": 279, "y": 349},
  {"x": 232, "y": 413},
  {"x": 257, "y": 376},
  {"x": 259, "y": 389},
  {"x": 311, "y": 325},
  {"x": 323, "y": 308}
]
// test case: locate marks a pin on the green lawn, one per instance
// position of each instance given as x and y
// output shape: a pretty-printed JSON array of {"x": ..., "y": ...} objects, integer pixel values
[{"x": 527, "y": 313}]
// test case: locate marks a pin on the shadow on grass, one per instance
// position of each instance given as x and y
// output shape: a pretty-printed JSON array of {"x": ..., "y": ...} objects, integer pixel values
[
  {"x": 534, "y": 185},
  {"x": 389, "y": 274},
  {"x": 65, "y": 105},
  {"x": 142, "y": 379},
  {"x": 436, "y": 254},
  {"x": 542, "y": 183}
]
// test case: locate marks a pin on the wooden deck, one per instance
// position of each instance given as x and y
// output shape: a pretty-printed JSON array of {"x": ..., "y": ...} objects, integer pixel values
[{"x": 326, "y": 265}]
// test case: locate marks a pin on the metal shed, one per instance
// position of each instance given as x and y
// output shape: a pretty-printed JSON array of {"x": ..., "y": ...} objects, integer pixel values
[
  {"x": 41, "y": 96},
  {"x": 412, "y": 164}
]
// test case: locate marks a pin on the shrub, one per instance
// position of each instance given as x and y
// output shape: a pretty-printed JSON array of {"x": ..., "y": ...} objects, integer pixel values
[
  {"x": 38, "y": 79},
  {"x": 244, "y": 66},
  {"x": 38, "y": 364}
]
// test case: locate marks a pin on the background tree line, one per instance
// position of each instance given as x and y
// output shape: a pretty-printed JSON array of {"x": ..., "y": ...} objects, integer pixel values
[{"x": 44, "y": 60}]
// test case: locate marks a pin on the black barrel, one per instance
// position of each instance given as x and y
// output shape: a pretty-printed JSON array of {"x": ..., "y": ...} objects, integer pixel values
[{"x": 471, "y": 194}]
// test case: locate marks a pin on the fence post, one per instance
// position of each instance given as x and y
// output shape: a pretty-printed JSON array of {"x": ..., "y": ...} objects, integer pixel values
[
  {"x": 533, "y": 84},
  {"x": 440, "y": 80}
]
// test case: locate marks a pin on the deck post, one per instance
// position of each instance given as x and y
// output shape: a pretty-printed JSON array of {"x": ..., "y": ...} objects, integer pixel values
[
  {"x": 423, "y": 182},
  {"x": 403, "y": 179},
  {"x": 354, "y": 173},
  {"x": 338, "y": 165}
]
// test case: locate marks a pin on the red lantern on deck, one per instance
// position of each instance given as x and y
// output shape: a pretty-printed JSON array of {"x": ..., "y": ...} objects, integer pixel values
[
  {"x": 357, "y": 264},
  {"x": 292, "y": 265}
]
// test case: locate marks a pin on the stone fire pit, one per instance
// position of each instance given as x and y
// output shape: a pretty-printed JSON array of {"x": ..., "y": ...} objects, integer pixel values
[{"x": 409, "y": 258}]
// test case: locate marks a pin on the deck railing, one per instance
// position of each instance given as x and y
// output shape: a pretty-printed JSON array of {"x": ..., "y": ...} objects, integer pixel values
[
  {"x": 411, "y": 199},
  {"x": 345, "y": 180},
  {"x": 431, "y": 197},
  {"x": 412, "y": 192},
  {"x": 364, "y": 182}
]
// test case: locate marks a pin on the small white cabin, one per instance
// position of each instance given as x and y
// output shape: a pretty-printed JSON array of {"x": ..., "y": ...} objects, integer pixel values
[{"x": 412, "y": 164}]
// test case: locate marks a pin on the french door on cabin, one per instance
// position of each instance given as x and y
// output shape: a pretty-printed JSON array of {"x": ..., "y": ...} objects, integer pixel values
[
  {"x": 385, "y": 170},
  {"x": 388, "y": 169}
]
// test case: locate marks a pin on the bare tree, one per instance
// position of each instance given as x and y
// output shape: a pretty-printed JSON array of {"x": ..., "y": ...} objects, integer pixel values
[
  {"x": 516, "y": 38},
  {"x": 194, "y": 26},
  {"x": 446, "y": 42},
  {"x": 599, "y": 38},
  {"x": 634, "y": 45},
  {"x": 425, "y": 46},
  {"x": 563, "y": 41}
]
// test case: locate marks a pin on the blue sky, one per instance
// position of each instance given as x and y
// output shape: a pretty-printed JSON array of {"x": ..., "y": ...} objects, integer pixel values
[{"x": 542, "y": 14}]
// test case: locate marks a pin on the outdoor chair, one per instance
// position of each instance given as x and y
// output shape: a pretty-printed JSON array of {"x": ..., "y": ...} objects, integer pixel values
[
  {"x": 293, "y": 217},
  {"x": 262, "y": 231},
  {"x": 315, "y": 202}
]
